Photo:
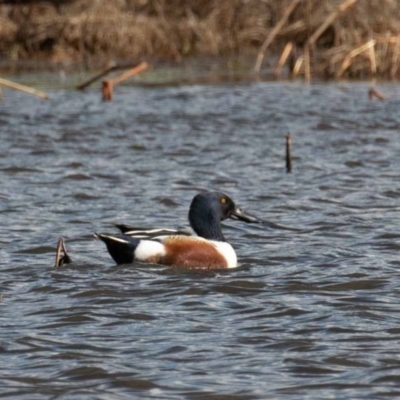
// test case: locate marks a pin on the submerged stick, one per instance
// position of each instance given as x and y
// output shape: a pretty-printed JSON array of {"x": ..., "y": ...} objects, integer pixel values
[
  {"x": 273, "y": 33},
  {"x": 288, "y": 153},
  {"x": 62, "y": 256},
  {"x": 372, "y": 92},
  {"x": 23, "y": 88}
]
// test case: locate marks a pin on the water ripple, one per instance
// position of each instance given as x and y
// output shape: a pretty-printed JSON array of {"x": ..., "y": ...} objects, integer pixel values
[{"x": 311, "y": 312}]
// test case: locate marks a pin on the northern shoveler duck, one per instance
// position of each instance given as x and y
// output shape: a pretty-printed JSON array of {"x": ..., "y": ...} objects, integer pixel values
[{"x": 207, "y": 250}]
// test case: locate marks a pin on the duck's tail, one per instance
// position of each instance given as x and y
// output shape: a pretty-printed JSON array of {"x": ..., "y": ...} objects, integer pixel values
[
  {"x": 62, "y": 256},
  {"x": 122, "y": 249}
]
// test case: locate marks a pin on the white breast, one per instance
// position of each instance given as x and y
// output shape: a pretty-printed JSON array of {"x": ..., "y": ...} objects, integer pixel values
[{"x": 227, "y": 251}]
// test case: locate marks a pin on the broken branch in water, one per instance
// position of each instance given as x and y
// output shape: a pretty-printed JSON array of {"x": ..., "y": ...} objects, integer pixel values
[
  {"x": 85, "y": 84},
  {"x": 108, "y": 85},
  {"x": 23, "y": 88},
  {"x": 139, "y": 67}
]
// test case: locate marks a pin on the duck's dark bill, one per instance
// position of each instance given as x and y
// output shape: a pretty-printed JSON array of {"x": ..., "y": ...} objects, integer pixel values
[{"x": 239, "y": 214}]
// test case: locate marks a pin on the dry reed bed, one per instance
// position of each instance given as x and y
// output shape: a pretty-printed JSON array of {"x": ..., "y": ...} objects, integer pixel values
[{"x": 360, "y": 41}]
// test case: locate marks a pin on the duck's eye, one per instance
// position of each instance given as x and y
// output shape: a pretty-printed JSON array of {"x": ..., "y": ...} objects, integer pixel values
[{"x": 222, "y": 200}]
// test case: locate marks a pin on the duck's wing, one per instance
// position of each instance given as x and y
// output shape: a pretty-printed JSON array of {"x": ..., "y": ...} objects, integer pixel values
[
  {"x": 125, "y": 249},
  {"x": 151, "y": 234}
]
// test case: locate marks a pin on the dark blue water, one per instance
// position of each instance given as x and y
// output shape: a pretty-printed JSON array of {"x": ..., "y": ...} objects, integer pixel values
[{"x": 313, "y": 311}]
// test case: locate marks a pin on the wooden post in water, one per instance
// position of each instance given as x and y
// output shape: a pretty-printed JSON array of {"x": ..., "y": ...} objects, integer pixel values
[
  {"x": 107, "y": 90},
  {"x": 288, "y": 153}
]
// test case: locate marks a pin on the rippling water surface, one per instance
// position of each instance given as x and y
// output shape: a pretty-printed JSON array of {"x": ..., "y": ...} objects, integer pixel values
[{"x": 313, "y": 311}]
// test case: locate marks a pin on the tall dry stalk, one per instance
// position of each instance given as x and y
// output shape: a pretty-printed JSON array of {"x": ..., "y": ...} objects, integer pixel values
[{"x": 322, "y": 32}]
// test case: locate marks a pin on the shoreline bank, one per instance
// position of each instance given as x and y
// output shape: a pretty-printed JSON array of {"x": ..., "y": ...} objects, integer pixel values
[{"x": 341, "y": 39}]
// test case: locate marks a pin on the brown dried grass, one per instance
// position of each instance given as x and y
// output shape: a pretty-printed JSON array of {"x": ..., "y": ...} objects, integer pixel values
[{"x": 85, "y": 30}]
